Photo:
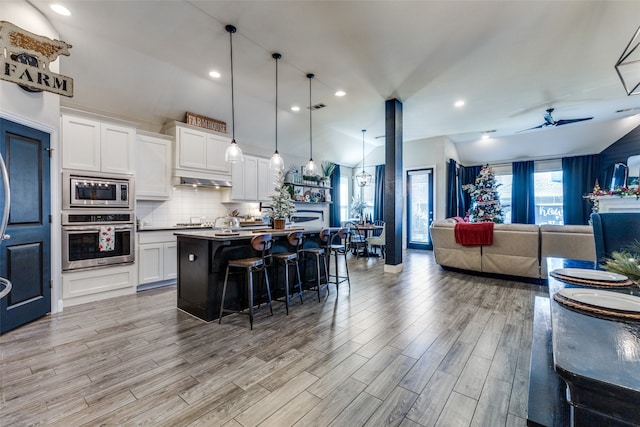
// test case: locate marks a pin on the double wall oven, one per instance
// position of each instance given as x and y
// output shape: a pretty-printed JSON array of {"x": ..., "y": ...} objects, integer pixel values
[{"x": 98, "y": 220}]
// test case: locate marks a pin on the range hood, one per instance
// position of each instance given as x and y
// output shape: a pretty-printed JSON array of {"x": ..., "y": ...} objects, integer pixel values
[{"x": 201, "y": 182}]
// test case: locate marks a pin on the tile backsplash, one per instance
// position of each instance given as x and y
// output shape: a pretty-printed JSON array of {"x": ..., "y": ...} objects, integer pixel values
[{"x": 185, "y": 203}]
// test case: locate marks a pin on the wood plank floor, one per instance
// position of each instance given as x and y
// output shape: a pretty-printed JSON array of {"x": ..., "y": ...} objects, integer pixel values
[{"x": 422, "y": 348}]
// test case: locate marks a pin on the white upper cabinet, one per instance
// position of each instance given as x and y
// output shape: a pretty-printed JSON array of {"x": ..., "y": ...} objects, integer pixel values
[
  {"x": 199, "y": 153},
  {"x": 266, "y": 180},
  {"x": 244, "y": 178},
  {"x": 96, "y": 145},
  {"x": 252, "y": 180},
  {"x": 153, "y": 166}
]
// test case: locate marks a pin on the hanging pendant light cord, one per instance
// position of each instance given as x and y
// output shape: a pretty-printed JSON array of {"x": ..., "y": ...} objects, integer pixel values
[
  {"x": 363, "y": 131},
  {"x": 231, "y": 29},
  {"x": 276, "y": 56},
  {"x": 310, "y": 76}
]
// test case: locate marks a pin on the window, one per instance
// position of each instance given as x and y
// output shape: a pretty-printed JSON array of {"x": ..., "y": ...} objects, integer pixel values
[
  {"x": 344, "y": 198},
  {"x": 547, "y": 181},
  {"x": 548, "y": 192},
  {"x": 504, "y": 178}
]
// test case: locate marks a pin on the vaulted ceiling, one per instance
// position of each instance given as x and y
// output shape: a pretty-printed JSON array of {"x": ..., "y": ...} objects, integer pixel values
[{"x": 148, "y": 62}]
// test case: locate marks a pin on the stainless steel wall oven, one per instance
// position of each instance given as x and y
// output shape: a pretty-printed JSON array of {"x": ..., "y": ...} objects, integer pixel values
[{"x": 84, "y": 234}]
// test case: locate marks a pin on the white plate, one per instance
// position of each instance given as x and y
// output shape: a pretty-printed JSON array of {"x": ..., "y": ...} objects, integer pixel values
[
  {"x": 604, "y": 299},
  {"x": 586, "y": 274}
]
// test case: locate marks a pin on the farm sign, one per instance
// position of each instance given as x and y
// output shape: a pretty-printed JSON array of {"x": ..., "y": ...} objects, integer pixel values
[{"x": 25, "y": 58}]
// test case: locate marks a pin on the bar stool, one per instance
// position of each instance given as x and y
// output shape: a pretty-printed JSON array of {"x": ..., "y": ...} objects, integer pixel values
[
  {"x": 288, "y": 260},
  {"x": 336, "y": 245},
  {"x": 319, "y": 254},
  {"x": 261, "y": 243}
]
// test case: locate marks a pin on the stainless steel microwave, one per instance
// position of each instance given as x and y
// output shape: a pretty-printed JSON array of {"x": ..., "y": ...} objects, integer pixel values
[{"x": 97, "y": 191}]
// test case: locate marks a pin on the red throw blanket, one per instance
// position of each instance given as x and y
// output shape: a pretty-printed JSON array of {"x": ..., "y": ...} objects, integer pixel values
[{"x": 474, "y": 233}]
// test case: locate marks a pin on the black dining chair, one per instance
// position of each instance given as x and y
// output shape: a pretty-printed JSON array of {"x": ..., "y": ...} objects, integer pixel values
[{"x": 356, "y": 242}]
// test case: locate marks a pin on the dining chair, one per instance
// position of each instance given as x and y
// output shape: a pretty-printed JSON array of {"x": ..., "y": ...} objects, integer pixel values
[
  {"x": 356, "y": 241},
  {"x": 614, "y": 231},
  {"x": 378, "y": 240}
]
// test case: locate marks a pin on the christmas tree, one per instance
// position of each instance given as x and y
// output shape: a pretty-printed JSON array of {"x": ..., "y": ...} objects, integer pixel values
[
  {"x": 485, "y": 202},
  {"x": 281, "y": 201}
]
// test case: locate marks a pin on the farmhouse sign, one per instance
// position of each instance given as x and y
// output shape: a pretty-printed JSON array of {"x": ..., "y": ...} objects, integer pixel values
[
  {"x": 25, "y": 58},
  {"x": 205, "y": 122}
]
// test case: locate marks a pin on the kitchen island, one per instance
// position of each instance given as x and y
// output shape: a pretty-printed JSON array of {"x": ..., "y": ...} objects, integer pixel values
[{"x": 202, "y": 260}]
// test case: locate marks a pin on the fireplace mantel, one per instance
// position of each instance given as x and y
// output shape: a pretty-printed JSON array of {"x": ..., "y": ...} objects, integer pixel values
[{"x": 612, "y": 204}]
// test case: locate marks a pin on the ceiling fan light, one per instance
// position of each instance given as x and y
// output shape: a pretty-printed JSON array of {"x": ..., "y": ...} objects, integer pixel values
[{"x": 233, "y": 153}]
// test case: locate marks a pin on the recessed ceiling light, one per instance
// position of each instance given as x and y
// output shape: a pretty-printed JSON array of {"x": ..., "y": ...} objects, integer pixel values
[
  {"x": 295, "y": 108},
  {"x": 58, "y": 8},
  {"x": 341, "y": 93},
  {"x": 214, "y": 74},
  {"x": 485, "y": 136},
  {"x": 459, "y": 103}
]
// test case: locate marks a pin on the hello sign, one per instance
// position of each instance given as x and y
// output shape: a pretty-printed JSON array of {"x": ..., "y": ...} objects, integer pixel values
[{"x": 25, "y": 58}]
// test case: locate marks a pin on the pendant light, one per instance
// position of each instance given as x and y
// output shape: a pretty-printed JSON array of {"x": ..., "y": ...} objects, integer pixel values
[
  {"x": 311, "y": 167},
  {"x": 363, "y": 178},
  {"x": 233, "y": 154},
  {"x": 276, "y": 163}
]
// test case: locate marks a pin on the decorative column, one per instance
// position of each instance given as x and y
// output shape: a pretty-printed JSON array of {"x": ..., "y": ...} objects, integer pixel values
[{"x": 393, "y": 190}]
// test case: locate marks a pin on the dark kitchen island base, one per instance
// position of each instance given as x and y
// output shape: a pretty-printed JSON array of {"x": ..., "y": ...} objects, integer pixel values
[{"x": 202, "y": 260}]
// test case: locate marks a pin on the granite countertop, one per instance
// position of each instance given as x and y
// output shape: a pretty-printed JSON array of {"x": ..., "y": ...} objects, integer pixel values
[
  {"x": 241, "y": 234},
  {"x": 175, "y": 227}
]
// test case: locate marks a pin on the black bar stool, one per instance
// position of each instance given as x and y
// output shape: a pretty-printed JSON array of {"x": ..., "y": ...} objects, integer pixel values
[
  {"x": 318, "y": 254},
  {"x": 261, "y": 243},
  {"x": 337, "y": 245},
  {"x": 288, "y": 260}
]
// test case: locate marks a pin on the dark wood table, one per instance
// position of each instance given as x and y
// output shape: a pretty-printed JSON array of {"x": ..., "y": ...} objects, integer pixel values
[{"x": 598, "y": 358}]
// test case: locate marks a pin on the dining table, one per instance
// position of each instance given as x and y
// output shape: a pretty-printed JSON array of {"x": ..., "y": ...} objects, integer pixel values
[
  {"x": 595, "y": 327},
  {"x": 367, "y": 231}
]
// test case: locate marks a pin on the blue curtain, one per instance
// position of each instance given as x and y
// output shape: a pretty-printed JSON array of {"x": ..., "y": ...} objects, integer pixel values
[
  {"x": 466, "y": 175},
  {"x": 523, "y": 202},
  {"x": 334, "y": 208},
  {"x": 452, "y": 190},
  {"x": 378, "y": 196},
  {"x": 579, "y": 175}
]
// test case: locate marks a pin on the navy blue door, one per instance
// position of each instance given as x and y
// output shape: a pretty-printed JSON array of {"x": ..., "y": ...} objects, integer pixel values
[{"x": 25, "y": 257}]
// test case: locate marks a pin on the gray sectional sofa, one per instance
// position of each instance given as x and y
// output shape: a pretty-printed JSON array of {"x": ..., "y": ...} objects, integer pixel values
[{"x": 517, "y": 250}]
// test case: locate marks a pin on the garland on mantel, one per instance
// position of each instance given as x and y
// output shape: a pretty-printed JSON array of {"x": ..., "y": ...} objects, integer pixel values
[{"x": 618, "y": 191}]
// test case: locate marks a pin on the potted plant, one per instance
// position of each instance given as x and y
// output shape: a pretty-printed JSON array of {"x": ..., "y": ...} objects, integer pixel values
[
  {"x": 281, "y": 204},
  {"x": 357, "y": 207},
  {"x": 327, "y": 170}
]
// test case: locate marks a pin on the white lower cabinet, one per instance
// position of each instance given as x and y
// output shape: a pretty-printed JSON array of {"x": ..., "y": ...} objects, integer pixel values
[
  {"x": 79, "y": 287},
  {"x": 157, "y": 256}
]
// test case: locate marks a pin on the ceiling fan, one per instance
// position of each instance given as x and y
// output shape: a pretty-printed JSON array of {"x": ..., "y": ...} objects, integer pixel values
[{"x": 550, "y": 121}]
